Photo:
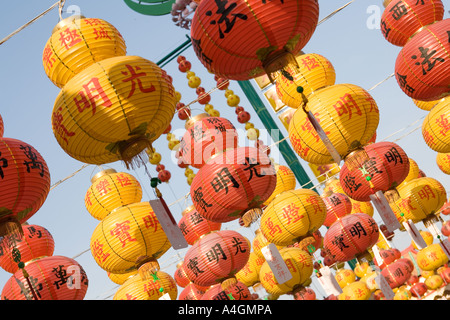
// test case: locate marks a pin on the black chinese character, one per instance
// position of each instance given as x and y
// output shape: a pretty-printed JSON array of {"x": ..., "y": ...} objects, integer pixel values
[
  {"x": 222, "y": 179},
  {"x": 398, "y": 10},
  {"x": 404, "y": 84},
  {"x": 198, "y": 198},
  {"x": 237, "y": 244},
  {"x": 61, "y": 274},
  {"x": 339, "y": 242},
  {"x": 216, "y": 253},
  {"x": 4, "y": 164},
  {"x": 392, "y": 155},
  {"x": 193, "y": 266},
  {"x": 427, "y": 61},
  {"x": 357, "y": 230},
  {"x": 251, "y": 165},
  {"x": 33, "y": 163},
  {"x": 225, "y": 12},
  {"x": 350, "y": 183}
]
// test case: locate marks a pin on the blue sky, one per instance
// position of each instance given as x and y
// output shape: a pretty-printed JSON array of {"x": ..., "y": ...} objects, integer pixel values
[{"x": 350, "y": 40}]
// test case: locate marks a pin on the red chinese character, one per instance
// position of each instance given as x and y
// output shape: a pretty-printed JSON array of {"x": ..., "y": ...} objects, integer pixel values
[
  {"x": 93, "y": 21},
  {"x": 47, "y": 57},
  {"x": 150, "y": 221},
  {"x": 272, "y": 227},
  {"x": 102, "y": 187},
  {"x": 101, "y": 33},
  {"x": 123, "y": 180},
  {"x": 290, "y": 213},
  {"x": 134, "y": 78},
  {"x": 315, "y": 204},
  {"x": 59, "y": 128},
  {"x": 91, "y": 92},
  {"x": 426, "y": 193},
  {"x": 69, "y": 38},
  {"x": 87, "y": 199},
  {"x": 346, "y": 106},
  {"x": 290, "y": 265},
  {"x": 444, "y": 124},
  {"x": 406, "y": 204},
  {"x": 97, "y": 251},
  {"x": 121, "y": 232},
  {"x": 310, "y": 63},
  {"x": 297, "y": 144}
]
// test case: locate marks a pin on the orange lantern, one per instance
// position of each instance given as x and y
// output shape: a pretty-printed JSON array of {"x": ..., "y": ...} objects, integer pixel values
[
  {"x": 443, "y": 162},
  {"x": 129, "y": 237},
  {"x": 233, "y": 183},
  {"x": 110, "y": 190},
  {"x": 180, "y": 276},
  {"x": 338, "y": 205},
  {"x": 238, "y": 291},
  {"x": 397, "y": 273},
  {"x": 244, "y": 39},
  {"x": 216, "y": 258},
  {"x": 194, "y": 226},
  {"x": 36, "y": 242},
  {"x": 422, "y": 68},
  {"x": 205, "y": 136},
  {"x": 151, "y": 287},
  {"x": 25, "y": 183},
  {"x": 350, "y": 237},
  {"x": 76, "y": 43},
  {"x": 305, "y": 294},
  {"x": 313, "y": 73},
  {"x": 431, "y": 257},
  {"x": 51, "y": 278},
  {"x": 113, "y": 110},
  {"x": 435, "y": 130},
  {"x": 402, "y": 19},
  {"x": 348, "y": 115},
  {"x": 191, "y": 292},
  {"x": 285, "y": 181},
  {"x": 293, "y": 215},
  {"x": 300, "y": 265}
]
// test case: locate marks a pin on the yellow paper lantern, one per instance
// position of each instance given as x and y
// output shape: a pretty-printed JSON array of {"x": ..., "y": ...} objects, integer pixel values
[
  {"x": 259, "y": 242},
  {"x": 413, "y": 173},
  {"x": 426, "y": 105},
  {"x": 78, "y": 42},
  {"x": 127, "y": 238},
  {"x": 402, "y": 294},
  {"x": 361, "y": 269},
  {"x": 434, "y": 282},
  {"x": 357, "y": 290},
  {"x": 419, "y": 199},
  {"x": 292, "y": 215},
  {"x": 324, "y": 171},
  {"x": 313, "y": 73},
  {"x": 370, "y": 280},
  {"x": 436, "y": 128},
  {"x": 347, "y": 114},
  {"x": 431, "y": 257},
  {"x": 147, "y": 288},
  {"x": 427, "y": 237},
  {"x": 110, "y": 190},
  {"x": 249, "y": 274},
  {"x": 443, "y": 162},
  {"x": 285, "y": 181},
  {"x": 345, "y": 277},
  {"x": 113, "y": 110},
  {"x": 300, "y": 265},
  {"x": 120, "y": 278}
]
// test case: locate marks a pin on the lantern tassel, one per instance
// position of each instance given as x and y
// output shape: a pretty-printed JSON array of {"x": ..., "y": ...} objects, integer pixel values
[
  {"x": 133, "y": 152},
  {"x": 251, "y": 216},
  {"x": 356, "y": 159},
  {"x": 148, "y": 268},
  {"x": 11, "y": 227},
  {"x": 392, "y": 195}
]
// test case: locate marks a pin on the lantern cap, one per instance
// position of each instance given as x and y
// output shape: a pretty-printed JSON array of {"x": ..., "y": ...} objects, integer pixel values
[
  {"x": 67, "y": 21},
  {"x": 192, "y": 120},
  {"x": 102, "y": 173},
  {"x": 188, "y": 209}
]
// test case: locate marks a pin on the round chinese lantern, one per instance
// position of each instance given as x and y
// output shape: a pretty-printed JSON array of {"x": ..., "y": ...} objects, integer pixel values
[
  {"x": 285, "y": 181},
  {"x": 216, "y": 258},
  {"x": 384, "y": 168},
  {"x": 292, "y": 215},
  {"x": 347, "y": 114},
  {"x": 443, "y": 162},
  {"x": 204, "y": 137},
  {"x": 180, "y": 276},
  {"x": 445, "y": 229},
  {"x": 431, "y": 257},
  {"x": 402, "y": 19},
  {"x": 344, "y": 277},
  {"x": 445, "y": 209},
  {"x": 420, "y": 199},
  {"x": 193, "y": 225},
  {"x": 51, "y": 278},
  {"x": 300, "y": 265},
  {"x": 129, "y": 237},
  {"x": 245, "y": 39},
  {"x": 305, "y": 294},
  {"x": 110, "y": 190},
  {"x": 313, "y": 73},
  {"x": 76, "y": 43},
  {"x": 351, "y": 236},
  {"x": 357, "y": 290},
  {"x": 396, "y": 273},
  {"x": 120, "y": 278},
  {"x": 434, "y": 282},
  {"x": 113, "y": 110},
  {"x": 427, "y": 105},
  {"x": 238, "y": 291},
  {"x": 233, "y": 183},
  {"x": 151, "y": 287},
  {"x": 191, "y": 292},
  {"x": 422, "y": 68},
  {"x": 25, "y": 182},
  {"x": 338, "y": 205},
  {"x": 435, "y": 128},
  {"x": 249, "y": 274},
  {"x": 36, "y": 242}
]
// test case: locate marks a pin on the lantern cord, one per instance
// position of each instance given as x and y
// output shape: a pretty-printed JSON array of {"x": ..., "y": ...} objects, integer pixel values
[
  {"x": 68, "y": 177},
  {"x": 334, "y": 12},
  {"x": 61, "y": 6},
  {"x": 390, "y": 76},
  {"x": 31, "y": 21}
]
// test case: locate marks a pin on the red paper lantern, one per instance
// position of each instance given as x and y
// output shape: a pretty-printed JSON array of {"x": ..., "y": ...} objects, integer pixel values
[
  {"x": 238, "y": 39},
  {"x": 422, "y": 68},
  {"x": 445, "y": 209},
  {"x": 338, "y": 205},
  {"x": 350, "y": 237},
  {"x": 418, "y": 289},
  {"x": 402, "y": 19},
  {"x": 25, "y": 182},
  {"x": 396, "y": 274},
  {"x": 445, "y": 229},
  {"x": 205, "y": 136},
  {"x": 181, "y": 277},
  {"x": 36, "y": 242},
  {"x": 238, "y": 291},
  {"x": 193, "y": 225},
  {"x": 384, "y": 168},
  {"x": 233, "y": 182},
  {"x": 305, "y": 294},
  {"x": 52, "y": 278},
  {"x": 191, "y": 292},
  {"x": 216, "y": 257}
]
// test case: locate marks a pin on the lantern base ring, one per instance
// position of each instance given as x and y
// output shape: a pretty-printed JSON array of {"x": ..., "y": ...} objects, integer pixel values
[
  {"x": 132, "y": 151},
  {"x": 251, "y": 216}
]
